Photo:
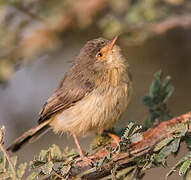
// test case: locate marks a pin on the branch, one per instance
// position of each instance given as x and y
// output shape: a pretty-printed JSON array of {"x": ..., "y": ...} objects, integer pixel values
[
  {"x": 9, "y": 160},
  {"x": 172, "y": 22},
  {"x": 6, "y": 155},
  {"x": 149, "y": 140},
  {"x": 137, "y": 33}
]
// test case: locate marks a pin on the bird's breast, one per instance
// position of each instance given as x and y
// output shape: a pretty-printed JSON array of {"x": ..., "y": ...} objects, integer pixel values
[{"x": 96, "y": 111}]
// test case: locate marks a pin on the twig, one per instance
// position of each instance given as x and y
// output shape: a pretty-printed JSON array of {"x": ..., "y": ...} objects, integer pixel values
[
  {"x": 126, "y": 159},
  {"x": 4, "y": 163},
  {"x": 9, "y": 160},
  {"x": 57, "y": 175}
]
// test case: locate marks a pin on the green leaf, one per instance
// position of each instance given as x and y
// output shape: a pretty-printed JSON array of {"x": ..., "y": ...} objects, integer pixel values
[
  {"x": 131, "y": 129},
  {"x": 136, "y": 137},
  {"x": 55, "y": 152},
  {"x": 35, "y": 164},
  {"x": 188, "y": 140},
  {"x": 73, "y": 152},
  {"x": 43, "y": 155},
  {"x": 147, "y": 100},
  {"x": 21, "y": 170},
  {"x": 136, "y": 129},
  {"x": 65, "y": 170},
  {"x": 175, "y": 145},
  {"x": 5, "y": 175},
  {"x": 100, "y": 163},
  {"x": 154, "y": 89},
  {"x": 158, "y": 74},
  {"x": 179, "y": 130},
  {"x": 128, "y": 130},
  {"x": 184, "y": 167},
  {"x": 162, "y": 143},
  {"x": 109, "y": 156},
  {"x": 47, "y": 168},
  {"x": 159, "y": 92},
  {"x": 178, "y": 164},
  {"x": 32, "y": 176},
  {"x": 169, "y": 90},
  {"x": 2, "y": 132},
  {"x": 14, "y": 161},
  {"x": 166, "y": 82},
  {"x": 2, "y": 162},
  {"x": 167, "y": 150}
]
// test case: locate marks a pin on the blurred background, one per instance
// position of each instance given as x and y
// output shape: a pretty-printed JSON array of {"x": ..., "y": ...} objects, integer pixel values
[{"x": 40, "y": 38}]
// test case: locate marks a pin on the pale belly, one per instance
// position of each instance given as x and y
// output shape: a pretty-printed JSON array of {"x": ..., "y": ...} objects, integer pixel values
[{"x": 97, "y": 111}]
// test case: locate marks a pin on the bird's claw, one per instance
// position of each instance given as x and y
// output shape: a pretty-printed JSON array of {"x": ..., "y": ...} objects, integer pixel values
[
  {"x": 85, "y": 159},
  {"x": 88, "y": 160}
]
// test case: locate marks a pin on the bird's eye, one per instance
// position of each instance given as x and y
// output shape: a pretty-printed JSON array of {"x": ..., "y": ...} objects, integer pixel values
[{"x": 100, "y": 54}]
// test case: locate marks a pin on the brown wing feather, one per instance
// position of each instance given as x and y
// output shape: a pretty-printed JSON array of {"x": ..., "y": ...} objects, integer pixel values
[
  {"x": 72, "y": 88},
  {"x": 77, "y": 82}
]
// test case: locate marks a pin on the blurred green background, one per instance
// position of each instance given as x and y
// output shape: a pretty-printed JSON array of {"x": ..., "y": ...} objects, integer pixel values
[{"x": 40, "y": 39}]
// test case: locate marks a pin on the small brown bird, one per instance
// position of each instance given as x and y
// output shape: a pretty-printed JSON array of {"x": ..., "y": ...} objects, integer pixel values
[{"x": 92, "y": 95}]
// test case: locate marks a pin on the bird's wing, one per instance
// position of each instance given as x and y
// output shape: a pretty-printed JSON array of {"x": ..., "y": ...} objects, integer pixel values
[{"x": 70, "y": 91}]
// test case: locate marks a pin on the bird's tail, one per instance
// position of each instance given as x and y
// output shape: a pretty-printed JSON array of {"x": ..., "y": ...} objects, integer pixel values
[{"x": 29, "y": 136}]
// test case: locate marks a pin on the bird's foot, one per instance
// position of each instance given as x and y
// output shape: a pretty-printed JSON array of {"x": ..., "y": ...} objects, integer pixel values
[
  {"x": 84, "y": 158},
  {"x": 114, "y": 138},
  {"x": 88, "y": 160}
]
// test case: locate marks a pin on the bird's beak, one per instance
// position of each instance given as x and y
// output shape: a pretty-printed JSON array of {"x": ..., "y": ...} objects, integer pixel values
[{"x": 112, "y": 42}]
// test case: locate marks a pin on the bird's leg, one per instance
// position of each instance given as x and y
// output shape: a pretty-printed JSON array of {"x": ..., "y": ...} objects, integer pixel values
[
  {"x": 78, "y": 146},
  {"x": 83, "y": 157}
]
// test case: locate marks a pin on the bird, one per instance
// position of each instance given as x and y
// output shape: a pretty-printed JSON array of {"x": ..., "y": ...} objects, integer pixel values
[{"x": 92, "y": 95}]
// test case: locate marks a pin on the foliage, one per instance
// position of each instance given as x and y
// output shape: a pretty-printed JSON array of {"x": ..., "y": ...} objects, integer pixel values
[
  {"x": 160, "y": 91},
  {"x": 8, "y": 165},
  {"x": 184, "y": 165},
  {"x": 53, "y": 162},
  {"x": 170, "y": 144}
]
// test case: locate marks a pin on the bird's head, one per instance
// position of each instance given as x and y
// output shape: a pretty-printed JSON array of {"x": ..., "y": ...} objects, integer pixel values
[{"x": 101, "y": 53}]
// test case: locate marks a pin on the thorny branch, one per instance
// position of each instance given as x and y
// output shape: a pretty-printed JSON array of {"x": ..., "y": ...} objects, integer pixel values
[
  {"x": 7, "y": 156},
  {"x": 123, "y": 160}
]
